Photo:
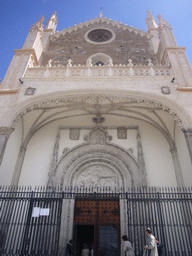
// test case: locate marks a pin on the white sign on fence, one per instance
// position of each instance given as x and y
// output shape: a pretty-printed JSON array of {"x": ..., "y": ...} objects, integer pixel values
[{"x": 37, "y": 211}]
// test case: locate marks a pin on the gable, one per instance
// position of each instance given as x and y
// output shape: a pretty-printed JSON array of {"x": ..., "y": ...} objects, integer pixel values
[{"x": 120, "y": 42}]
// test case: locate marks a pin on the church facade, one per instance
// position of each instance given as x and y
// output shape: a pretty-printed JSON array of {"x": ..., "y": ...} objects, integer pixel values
[{"x": 97, "y": 105}]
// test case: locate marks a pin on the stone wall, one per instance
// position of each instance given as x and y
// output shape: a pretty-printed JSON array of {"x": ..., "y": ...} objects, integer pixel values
[{"x": 125, "y": 45}]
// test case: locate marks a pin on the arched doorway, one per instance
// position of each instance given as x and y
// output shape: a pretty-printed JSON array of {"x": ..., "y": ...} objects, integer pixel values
[{"x": 98, "y": 163}]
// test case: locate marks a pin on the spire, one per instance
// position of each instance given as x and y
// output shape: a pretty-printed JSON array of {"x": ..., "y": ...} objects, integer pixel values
[
  {"x": 100, "y": 14},
  {"x": 52, "y": 22},
  {"x": 150, "y": 21}
]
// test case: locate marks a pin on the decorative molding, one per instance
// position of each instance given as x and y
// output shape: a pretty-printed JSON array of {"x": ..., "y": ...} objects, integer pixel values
[
  {"x": 130, "y": 98},
  {"x": 109, "y": 127},
  {"x": 91, "y": 71},
  {"x": 6, "y": 131},
  {"x": 141, "y": 159},
  {"x": 54, "y": 161}
]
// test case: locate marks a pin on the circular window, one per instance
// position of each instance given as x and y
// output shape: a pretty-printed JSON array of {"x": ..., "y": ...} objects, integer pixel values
[{"x": 100, "y": 36}]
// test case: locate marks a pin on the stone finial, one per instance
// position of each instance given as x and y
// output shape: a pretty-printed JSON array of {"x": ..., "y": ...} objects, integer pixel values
[
  {"x": 69, "y": 64},
  {"x": 49, "y": 63},
  {"x": 52, "y": 22},
  {"x": 130, "y": 64},
  {"x": 90, "y": 63},
  {"x": 110, "y": 63},
  {"x": 150, "y": 64}
]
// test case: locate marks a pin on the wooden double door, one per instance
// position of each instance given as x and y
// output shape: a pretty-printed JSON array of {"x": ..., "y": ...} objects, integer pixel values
[{"x": 97, "y": 225}]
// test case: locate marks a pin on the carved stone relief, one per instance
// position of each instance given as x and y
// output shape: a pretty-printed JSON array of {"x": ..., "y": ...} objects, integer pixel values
[
  {"x": 97, "y": 137},
  {"x": 165, "y": 89},
  {"x": 122, "y": 133},
  {"x": 30, "y": 91},
  {"x": 74, "y": 134},
  {"x": 96, "y": 176}
]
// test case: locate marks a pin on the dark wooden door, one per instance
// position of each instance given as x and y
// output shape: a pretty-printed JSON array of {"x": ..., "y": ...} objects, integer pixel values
[{"x": 104, "y": 216}]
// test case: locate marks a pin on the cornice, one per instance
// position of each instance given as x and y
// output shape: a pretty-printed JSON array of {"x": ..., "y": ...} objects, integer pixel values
[
  {"x": 49, "y": 30},
  {"x": 101, "y": 20},
  {"x": 184, "y": 89},
  {"x": 8, "y": 91},
  {"x": 172, "y": 49},
  {"x": 26, "y": 52}
]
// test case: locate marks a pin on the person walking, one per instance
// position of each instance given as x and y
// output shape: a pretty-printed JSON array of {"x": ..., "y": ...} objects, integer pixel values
[
  {"x": 127, "y": 247},
  {"x": 151, "y": 247}
]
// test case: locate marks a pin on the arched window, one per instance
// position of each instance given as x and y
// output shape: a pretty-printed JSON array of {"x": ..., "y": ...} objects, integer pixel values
[{"x": 99, "y": 59}]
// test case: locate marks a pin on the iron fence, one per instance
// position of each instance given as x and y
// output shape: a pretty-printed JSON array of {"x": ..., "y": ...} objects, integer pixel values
[{"x": 30, "y": 221}]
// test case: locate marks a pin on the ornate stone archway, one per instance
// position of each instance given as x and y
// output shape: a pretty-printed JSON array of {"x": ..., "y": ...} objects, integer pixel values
[{"x": 98, "y": 163}]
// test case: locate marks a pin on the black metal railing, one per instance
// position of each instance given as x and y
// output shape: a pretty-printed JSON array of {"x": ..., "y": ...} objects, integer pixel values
[{"x": 30, "y": 219}]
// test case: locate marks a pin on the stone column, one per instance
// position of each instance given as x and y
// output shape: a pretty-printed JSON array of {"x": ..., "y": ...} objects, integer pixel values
[
  {"x": 5, "y": 132},
  {"x": 177, "y": 167},
  {"x": 188, "y": 137}
]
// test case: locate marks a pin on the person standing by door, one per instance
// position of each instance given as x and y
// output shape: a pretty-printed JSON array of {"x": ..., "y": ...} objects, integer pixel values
[{"x": 127, "y": 247}]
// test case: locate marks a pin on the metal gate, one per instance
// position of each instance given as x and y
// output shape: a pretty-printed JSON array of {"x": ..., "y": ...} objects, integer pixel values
[{"x": 30, "y": 221}]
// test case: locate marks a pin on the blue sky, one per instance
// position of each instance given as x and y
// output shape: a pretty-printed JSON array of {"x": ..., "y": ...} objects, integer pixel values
[{"x": 18, "y": 15}]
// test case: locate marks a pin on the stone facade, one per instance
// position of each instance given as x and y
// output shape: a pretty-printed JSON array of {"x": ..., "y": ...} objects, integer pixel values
[{"x": 98, "y": 104}]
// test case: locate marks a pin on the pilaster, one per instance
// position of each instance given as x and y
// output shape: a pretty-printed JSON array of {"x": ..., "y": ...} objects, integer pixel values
[
  {"x": 177, "y": 167},
  {"x": 18, "y": 166},
  {"x": 30, "y": 53},
  {"x": 188, "y": 137},
  {"x": 34, "y": 38},
  {"x": 169, "y": 52},
  {"x": 5, "y": 132}
]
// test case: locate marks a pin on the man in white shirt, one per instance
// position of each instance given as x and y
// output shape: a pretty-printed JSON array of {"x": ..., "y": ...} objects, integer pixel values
[{"x": 151, "y": 247}]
